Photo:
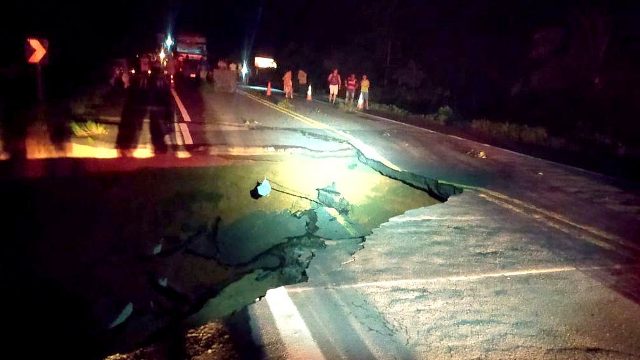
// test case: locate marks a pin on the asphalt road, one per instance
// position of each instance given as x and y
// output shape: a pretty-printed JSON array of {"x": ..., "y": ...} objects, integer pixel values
[{"x": 533, "y": 260}]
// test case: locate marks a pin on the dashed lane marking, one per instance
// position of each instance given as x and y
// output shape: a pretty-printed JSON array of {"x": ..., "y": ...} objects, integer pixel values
[{"x": 182, "y": 128}]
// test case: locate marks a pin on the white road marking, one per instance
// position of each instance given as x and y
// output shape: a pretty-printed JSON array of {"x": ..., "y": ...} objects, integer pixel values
[
  {"x": 487, "y": 145},
  {"x": 182, "y": 128},
  {"x": 181, "y": 107},
  {"x": 186, "y": 134},
  {"x": 292, "y": 328},
  {"x": 373, "y": 154},
  {"x": 179, "y": 141},
  {"x": 456, "y": 278},
  {"x": 407, "y": 218},
  {"x": 367, "y": 150}
]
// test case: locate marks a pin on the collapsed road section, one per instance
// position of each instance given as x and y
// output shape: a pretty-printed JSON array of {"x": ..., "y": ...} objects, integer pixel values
[{"x": 124, "y": 256}]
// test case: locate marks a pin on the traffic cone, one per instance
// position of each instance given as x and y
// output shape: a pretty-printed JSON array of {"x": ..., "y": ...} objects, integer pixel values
[
  {"x": 269, "y": 88},
  {"x": 360, "y": 102},
  {"x": 309, "y": 94}
]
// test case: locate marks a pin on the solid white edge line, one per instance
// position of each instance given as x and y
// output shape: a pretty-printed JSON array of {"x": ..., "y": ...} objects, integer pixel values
[
  {"x": 186, "y": 134},
  {"x": 293, "y": 330},
  {"x": 178, "y": 133},
  {"x": 491, "y": 146},
  {"x": 461, "y": 278}
]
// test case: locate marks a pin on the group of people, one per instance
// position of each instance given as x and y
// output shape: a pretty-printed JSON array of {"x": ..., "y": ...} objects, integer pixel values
[
  {"x": 148, "y": 94},
  {"x": 351, "y": 84},
  {"x": 287, "y": 81},
  {"x": 335, "y": 82}
]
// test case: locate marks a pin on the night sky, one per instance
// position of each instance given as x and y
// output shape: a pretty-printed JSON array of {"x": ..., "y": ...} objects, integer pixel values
[
  {"x": 94, "y": 30},
  {"x": 474, "y": 55},
  {"x": 99, "y": 29}
]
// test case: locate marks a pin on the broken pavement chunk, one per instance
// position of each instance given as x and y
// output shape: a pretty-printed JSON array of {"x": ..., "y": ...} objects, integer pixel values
[
  {"x": 330, "y": 197},
  {"x": 263, "y": 188},
  {"x": 328, "y": 227},
  {"x": 124, "y": 314}
]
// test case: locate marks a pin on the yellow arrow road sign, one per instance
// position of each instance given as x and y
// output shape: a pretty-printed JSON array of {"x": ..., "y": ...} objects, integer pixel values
[{"x": 36, "y": 50}]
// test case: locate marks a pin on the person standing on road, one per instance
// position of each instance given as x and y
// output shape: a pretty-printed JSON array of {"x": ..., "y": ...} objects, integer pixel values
[
  {"x": 126, "y": 79},
  {"x": 351, "y": 84},
  {"x": 334, "y": 85},
  {"x": 302, "y": 81},
  {"x": 160, "y": 110},
  {"x": 364, "y": 91},
  {"x": 154, "y": 98},
  {"x": 132, "y": 117},
  {"x": 145, "y": 70},
  {"x": 288, "y": 84}
]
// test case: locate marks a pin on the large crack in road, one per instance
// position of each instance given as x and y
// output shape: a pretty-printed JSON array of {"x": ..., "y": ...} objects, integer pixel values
[
  {"x": 284, "y": 263},
  {"x": 143, "y": 251}
]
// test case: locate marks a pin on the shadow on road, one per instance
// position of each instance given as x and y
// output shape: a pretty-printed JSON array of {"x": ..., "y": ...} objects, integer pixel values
[{"x": 147, "y": 95}]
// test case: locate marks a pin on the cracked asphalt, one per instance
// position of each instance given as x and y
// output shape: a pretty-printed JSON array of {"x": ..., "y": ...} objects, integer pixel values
[
  {"x": 534, "y": 260},
  {"x": 524, "y": 259}
]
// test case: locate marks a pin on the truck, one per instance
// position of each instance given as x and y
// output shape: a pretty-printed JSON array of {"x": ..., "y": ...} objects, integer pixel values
[
  {"x": 193, "y": 46},
  {"x": 190, "y": 56}
]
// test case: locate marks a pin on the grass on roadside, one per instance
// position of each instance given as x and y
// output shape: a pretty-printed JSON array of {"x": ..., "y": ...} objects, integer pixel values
[
  {"x": 87, "y": 129},
  {"x": 513, "y": 132},
  {"x": 536, "y": 135},
  {"x": 388, "y": 108}
]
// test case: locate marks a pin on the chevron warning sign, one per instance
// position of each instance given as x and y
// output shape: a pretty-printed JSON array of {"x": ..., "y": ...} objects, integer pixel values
[{"x": 35, "y": 50}]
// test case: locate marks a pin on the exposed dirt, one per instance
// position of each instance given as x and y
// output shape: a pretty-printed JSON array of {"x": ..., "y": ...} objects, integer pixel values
[{"x": 207, "y": 342}]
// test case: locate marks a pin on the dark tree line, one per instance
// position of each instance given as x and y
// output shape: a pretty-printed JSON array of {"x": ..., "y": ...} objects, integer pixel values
[{"x": 571, "y": 66}]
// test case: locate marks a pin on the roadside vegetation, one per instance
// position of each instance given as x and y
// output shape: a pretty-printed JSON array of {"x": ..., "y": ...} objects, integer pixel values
[
  {"x": 562, "y": 85},
  {"x": 88, "y": 129},
  {"x": 445, "y": 117},
  {"x": 86, "y": 105},
  {"x": 584, "y": 146},
  {"x": 514, "y": 132}
]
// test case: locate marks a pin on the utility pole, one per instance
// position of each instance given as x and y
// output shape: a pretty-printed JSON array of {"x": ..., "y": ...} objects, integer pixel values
[
  {"x": 39, "y": 86},
  {"x": 35, "y": 51}
]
